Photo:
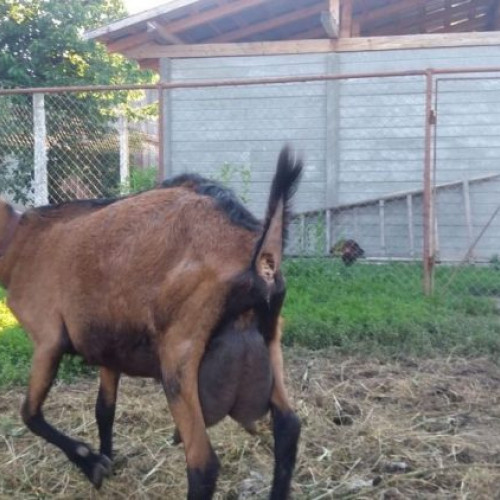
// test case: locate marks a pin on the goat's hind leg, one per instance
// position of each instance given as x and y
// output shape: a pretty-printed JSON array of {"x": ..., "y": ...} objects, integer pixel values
[
  {"x": 45, "y": 362},
  {"x": 105, "y": 410},
  {"x": 286, "y": 425}
]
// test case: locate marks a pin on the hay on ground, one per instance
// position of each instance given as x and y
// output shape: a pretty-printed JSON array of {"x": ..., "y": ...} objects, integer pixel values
[{"x": 408, "y": 429}]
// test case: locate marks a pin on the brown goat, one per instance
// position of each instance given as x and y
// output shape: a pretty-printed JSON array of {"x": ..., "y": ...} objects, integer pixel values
[{"x": 182, "y": 284}]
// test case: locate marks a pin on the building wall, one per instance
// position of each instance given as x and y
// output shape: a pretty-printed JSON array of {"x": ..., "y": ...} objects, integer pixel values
[
  {"x": 361, "y": 139},
  {"x": 245, "y": 127}
]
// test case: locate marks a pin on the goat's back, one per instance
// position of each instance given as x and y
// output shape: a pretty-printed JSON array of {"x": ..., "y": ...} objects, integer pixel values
[{"x": 129, "y": 265}]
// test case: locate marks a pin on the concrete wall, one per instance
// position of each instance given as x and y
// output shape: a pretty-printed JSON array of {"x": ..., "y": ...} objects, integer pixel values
[
  {"x": 361, "y": 138},
  {"x": 246, "y": 127}
]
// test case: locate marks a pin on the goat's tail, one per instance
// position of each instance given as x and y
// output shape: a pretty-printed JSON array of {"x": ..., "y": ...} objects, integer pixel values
[{"x": 268, "y": 250}]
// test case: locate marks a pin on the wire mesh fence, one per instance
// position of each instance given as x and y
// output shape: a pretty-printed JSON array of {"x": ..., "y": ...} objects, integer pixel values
[
  {"x": 91, "y": 145},
  {"x": 16, "y": 147},
  {"x": 363, "y": 138}
]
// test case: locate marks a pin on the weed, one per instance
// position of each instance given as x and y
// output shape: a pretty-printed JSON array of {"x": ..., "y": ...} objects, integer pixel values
[
  {"x": 140, "y": 179},
  {"x": 227, "y": 174}
]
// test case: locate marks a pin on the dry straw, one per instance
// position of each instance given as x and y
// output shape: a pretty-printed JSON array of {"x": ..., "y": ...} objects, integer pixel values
[{"x": 371, "y": 430}]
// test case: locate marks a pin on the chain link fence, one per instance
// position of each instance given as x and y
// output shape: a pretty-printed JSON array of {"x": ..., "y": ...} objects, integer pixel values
[
  {"x": 89, "y": 145},
  {"x": 371, "y": 151},
  {"x": 16, "y": 147}
]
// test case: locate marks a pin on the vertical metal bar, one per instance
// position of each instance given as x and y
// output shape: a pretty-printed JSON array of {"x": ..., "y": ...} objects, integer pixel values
[
  {"x": 328, "y": 229},
  {"x": 435, "y": 256},
  {"x": 356, "y": 223},
  {"x": 160, "y": 176},
  {"x": 124, "y": 149},
  {"x": 41, "y": 187},
  {"x": 332, "y": 115},
  {"x": 468, "y": 216},
  {"x": 303, "y": 235},
  {"x": 409, "y": 211},
  {"x": 381, "y": 213},
  {"x": 428, "y": 259},
  {"x": 165, "y": 124}
]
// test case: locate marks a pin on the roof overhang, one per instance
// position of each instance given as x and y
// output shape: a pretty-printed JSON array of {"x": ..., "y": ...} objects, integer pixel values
[{"x": 210, "y": 28}]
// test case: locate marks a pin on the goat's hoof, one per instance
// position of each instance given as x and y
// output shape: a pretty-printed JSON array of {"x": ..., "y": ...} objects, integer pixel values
[
  {"x": 96, "y": 467},
  {"x": 107, "y": 464},
  {"x": 101, "y": 469}
]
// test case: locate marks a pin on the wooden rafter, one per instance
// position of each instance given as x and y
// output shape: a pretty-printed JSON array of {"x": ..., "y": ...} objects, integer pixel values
[
  {"x": 310, "y": 34},
  {"x": 346, "y": 18},
  {"x": 472, "y": 9},
  {"x": 331, "y": 19},
  {"x": 161, "y": 32},
  {"x": 389, "y": 10},
  {"x": 126, "y": 43},
  {"x": 268, "y": 24},
  {"x": 223, "y": 10},
  {"x": 149, "y": 64},
  {"x": 447, "y": 14},
  {"x": 147, "y": 15},
  {"x": 493, "y": 16},
  {"x": 336, "y": 19},
  {"x": 430, "y": 21}
]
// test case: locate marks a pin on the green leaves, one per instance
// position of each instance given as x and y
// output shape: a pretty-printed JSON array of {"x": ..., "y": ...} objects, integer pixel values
[{"x": 41, "y": 44}]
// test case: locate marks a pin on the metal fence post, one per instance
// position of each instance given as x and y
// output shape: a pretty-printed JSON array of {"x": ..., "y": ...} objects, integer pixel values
[
  {"x": 428, "y": 202},
  {"x": 41, "y": 189},
  {"x": 164, "y": 121},
  {"x": 332, "y": 151},
  {"x": 124, "y": 149}
]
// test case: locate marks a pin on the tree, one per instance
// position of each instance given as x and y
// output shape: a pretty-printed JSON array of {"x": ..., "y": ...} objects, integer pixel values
[{"x": 41, "y": 45}]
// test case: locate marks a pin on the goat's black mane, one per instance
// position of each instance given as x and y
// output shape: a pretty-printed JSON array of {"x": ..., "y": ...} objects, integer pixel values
[{"x": 225, "y": 198}]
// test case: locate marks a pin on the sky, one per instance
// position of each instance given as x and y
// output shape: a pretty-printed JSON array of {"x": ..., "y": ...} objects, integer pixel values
[{"x": 134, "y": 6}]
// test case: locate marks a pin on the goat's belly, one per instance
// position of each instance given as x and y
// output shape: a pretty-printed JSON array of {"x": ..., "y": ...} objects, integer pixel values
[
  {"x": 130, "y": 352},
  {"x": 235, "y": 378}
]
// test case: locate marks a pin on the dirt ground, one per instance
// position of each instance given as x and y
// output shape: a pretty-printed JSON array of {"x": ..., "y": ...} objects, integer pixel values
[{"x": 407, "y": 429}]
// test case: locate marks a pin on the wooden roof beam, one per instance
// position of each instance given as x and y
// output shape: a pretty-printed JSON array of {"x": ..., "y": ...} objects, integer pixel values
[
  {"x": 493, "y": 22},
  {"x": 159, "y": 31},
  {"x": 152, "y": 64},
  {"x": 223, "y": 10},
  {"x": 311, "y": 34},
  {"x": 128, "y": 42},
  {"x": 346, "y": 19},
  {"x": 331, "y": 19},
  {"x": 151, "y": 50},
  {"x": 472, "y": 9},
  {"x": 138, "y": 18},
  {"x": 267, "y": 25},
  {"x": 389, "y": 10},
  {"x": 433, "y": 16}
]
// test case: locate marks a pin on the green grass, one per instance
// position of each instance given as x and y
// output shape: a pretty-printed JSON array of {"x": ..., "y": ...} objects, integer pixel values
[
  {"x": 364, "y": 309},
  {"x": 381, "y": 309}
]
